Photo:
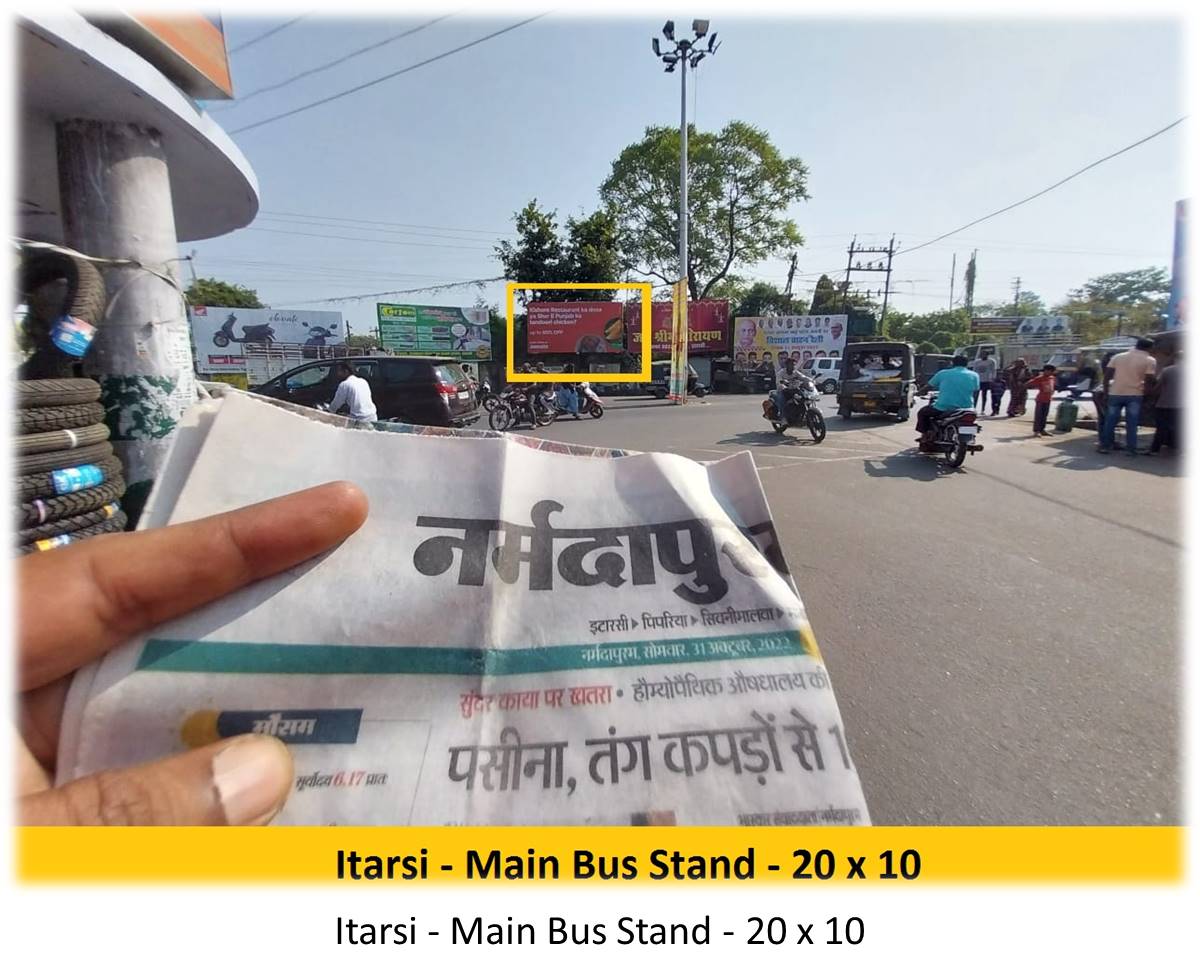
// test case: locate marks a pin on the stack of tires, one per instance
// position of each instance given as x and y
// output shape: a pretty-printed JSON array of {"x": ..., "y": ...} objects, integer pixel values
[{"x": 69, "y": 483}]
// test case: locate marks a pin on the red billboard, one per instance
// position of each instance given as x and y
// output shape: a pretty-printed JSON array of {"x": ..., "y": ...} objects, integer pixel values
[
  {"x": 574, "y": 328},
  {"x": 708, "y": 327}
]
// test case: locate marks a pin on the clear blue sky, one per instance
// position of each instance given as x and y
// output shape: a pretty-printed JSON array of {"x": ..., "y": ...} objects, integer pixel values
[{"x": 912, "y": 127}]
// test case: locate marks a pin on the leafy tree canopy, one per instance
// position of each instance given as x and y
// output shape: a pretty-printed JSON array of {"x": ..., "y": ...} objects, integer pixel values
[
  {"x": 215, "y": 292},
  {"x": 740, "y": 188},
  {"x": 585, "y": 251}
]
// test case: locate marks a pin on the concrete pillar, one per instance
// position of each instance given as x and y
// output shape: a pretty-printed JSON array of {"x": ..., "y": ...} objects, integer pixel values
[{"x": 116, "y": 204}]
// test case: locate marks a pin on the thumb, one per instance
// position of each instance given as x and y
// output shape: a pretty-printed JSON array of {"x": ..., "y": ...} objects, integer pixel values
[{"x": 239, "y": 781}]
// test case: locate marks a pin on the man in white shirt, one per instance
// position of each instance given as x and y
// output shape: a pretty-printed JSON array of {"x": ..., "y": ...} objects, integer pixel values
[
  {"x": 354, "y": 394},
  {"x": 985, "y": 367}
]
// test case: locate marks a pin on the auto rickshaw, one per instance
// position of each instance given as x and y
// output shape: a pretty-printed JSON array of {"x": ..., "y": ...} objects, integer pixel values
[
  {"x": 878, "y": 378},
  {"x": 928, "y": 365}
]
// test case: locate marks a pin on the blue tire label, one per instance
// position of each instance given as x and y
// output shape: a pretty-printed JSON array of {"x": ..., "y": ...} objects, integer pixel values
[
  {"x": 76, "y": 478},
  {"x": 72, "y": 335}
]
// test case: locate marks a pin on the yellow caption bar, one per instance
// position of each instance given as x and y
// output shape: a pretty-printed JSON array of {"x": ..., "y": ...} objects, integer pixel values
[{"x": 797, "y": 856}]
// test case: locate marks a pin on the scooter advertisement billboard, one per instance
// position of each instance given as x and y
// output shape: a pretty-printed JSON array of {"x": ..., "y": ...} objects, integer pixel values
[
  {"x": 575, "y": 328},
  {"x": 776, "y": 338},
  {"x": 218, "y": 333},
  {"x": 451, "y": 331},
  {"x": 708, "y": 327}
]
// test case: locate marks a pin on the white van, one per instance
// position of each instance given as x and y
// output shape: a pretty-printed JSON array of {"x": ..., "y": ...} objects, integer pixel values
[{"x": 825, "y": 371}]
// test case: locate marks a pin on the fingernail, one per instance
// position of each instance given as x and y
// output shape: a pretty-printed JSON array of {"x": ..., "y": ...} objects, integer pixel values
[{"x": 252, "y": 775}]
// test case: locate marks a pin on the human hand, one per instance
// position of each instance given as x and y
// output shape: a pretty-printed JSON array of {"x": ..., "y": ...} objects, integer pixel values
[{"x": 76, "y": 604}]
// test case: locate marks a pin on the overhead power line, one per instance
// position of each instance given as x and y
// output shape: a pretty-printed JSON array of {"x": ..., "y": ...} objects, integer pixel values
[
  {"x": 379, "y": 241},
  {"x": 243, "y": 99},
  {"x": 266, "y": 34},
  {"x": 384, "y": 78},
  {"x": 367, "y": 221},
  {"x": 401, "y": 292},
  {"x": 315, "y": 223},
  {"x": 1047, "y": 190}
]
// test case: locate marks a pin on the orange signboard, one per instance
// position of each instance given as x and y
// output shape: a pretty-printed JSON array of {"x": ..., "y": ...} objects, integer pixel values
[{"x": 188, "y": 48}]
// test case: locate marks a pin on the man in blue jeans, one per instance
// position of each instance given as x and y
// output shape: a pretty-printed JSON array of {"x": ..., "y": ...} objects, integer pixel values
[{"x": 1127, "y": 373}]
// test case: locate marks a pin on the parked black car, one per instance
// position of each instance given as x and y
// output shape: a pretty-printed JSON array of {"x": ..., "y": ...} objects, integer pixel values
[{"x": 419, "y": 390}]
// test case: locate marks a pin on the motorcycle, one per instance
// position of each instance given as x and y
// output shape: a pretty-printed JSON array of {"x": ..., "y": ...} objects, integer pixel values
[
  {"x": 589, "y": 403},
  {"x": 485, "y": 398},
  {"x": 800, "y": 406},
  {"x": 257, "y": 333},
  {"x": 515, "y": 406},
  {"x": 953, "y": 437}
]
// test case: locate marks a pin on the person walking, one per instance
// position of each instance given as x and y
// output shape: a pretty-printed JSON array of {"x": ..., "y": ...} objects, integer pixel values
[
  {"x": 1127, "y": 373},
  {"x": 1168, "y": 408},
  {"x": 1043, "y": 384},
  {"x": 986, "y": 368},
  {"x": 1018, "y": 386}
]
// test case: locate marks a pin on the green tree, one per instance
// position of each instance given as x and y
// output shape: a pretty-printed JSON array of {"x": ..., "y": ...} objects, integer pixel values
[
  {"x": 1119, "y": 302},
  {"x": 764, "y": 299},
  {"x": 540, "y": 252},
  {"x": 826, "y": 297},
  {"x": 739, "y": 190},
  {"x": 367, "y": 340},
  {"x": 1027, "y": 303},
  {"x": 215, "y": 292},
  {"x": 942, "y": 329},
  {"x": 1138, "y": 287}
]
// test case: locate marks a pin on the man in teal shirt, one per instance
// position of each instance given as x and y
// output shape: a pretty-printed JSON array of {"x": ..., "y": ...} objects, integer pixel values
[{"x": 956, "y": 387}]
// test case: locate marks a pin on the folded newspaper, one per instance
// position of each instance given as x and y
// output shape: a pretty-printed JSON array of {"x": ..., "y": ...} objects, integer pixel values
[{"x": 523, "y": 632}]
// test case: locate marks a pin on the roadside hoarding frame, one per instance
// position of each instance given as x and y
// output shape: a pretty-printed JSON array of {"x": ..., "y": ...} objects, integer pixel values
[{"x": 589, "y": 377}]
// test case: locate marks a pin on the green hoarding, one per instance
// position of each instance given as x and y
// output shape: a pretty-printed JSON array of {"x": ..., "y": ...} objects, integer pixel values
[{"x": 451, "y": 331}]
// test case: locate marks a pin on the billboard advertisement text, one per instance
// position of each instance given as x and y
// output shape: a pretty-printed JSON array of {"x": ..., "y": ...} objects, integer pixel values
[
  {"x": 450, "y": 331},
  {"x": 574, "y": 328},
  {"x": 218, "y": 333}
]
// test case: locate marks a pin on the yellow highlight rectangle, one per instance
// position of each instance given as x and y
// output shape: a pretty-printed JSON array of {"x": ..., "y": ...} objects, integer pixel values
[
  {"x": 947, "y": 855},
  {"x": 598, "y": 377}
]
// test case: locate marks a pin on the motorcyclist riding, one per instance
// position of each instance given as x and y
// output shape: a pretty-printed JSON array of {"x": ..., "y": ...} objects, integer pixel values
[
  {"x": 788, "y": 378},
  {"x": 956, "y": 387}
]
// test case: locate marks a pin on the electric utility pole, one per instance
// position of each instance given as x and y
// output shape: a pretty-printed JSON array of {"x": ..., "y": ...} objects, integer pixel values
[
  {"x": 872, "y": 265},
  {"x": 953, "y": 264},
  {"x": 791, "y": 276}
]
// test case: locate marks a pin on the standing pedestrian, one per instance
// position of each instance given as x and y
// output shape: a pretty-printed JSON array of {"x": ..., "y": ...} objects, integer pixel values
[
  {"x": 1168, "y": 408},
  {"x": 1043, "y": 384},
  {"x": 986, "y": 368},
  {"x": 1127, "y": 373},
  {"x": 997, "y": 392},
  {"x": 1018, "y": 385}
]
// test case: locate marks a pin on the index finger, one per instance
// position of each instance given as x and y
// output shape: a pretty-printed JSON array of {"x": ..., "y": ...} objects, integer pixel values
[{"x": 77, "y": 603}]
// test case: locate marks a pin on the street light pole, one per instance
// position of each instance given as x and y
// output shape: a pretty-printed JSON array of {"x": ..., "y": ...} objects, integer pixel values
[
  {"x": 685, "y": 53},
  {"x": 683, "y": 206}
]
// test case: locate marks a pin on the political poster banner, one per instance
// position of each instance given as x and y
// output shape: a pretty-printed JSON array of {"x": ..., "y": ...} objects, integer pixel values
[
  {"x": 708, "y": 327},
  {"x": 775, "y": 339}
]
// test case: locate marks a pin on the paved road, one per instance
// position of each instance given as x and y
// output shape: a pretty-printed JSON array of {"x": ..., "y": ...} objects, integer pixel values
[{"x": 1004, "y": 640}]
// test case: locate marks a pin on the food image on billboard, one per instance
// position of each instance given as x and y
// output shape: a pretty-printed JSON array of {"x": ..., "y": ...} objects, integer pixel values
[
  {"x": 218, "y": 333},
  {"x": 575, "y": 328},
  {"x": 448, "y": 331},
  {"x": 708, "y": 327},
  {"x": 774, "y": 339}
]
